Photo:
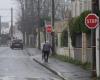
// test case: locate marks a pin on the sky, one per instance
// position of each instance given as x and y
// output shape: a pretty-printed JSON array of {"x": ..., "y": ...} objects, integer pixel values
[
  {"x": 5, "y": 12},
  {"x": 5, "y": 9}
]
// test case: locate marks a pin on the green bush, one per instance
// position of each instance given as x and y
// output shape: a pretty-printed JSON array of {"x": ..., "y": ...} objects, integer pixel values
[
  {"x": 64, "y": 38},
  {"x": 77, "y": 25}
]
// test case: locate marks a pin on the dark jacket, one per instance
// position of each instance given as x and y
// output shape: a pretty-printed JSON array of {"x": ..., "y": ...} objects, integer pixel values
[{"x": 46, "y": 47}]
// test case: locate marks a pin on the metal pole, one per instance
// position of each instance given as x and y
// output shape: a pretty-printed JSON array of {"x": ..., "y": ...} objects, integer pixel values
[
  {"x": 38, "y": 24},
  {"x": 11, "y": 22},
  {"x": 98, "y": 44},
  {"x": 23, "y": 30},
  {"x": 99, "y": 39},
  {"x": 45, "y": 34},
  {"x": 53, "y": 10},
  {"x": 0, "y": 25},
  {"x": 95, "y": 9},
  {"x": 93, "y": 53},
  {"x": 0, "y": 29},
  {"x": 97, "y": 52},
  {"x": 52, "y": 21}
]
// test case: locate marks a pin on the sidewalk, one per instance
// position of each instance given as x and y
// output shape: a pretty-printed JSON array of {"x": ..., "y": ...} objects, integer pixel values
[{"x": 65, "y": 70}]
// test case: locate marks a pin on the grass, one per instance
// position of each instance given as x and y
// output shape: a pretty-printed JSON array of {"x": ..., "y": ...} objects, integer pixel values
[
  {"x": 98, "y": 78},
  {"x": 85, "y": 65}
]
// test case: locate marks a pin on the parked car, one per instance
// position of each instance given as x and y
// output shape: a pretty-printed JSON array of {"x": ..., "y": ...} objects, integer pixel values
[{"x": 16, "y": 43}]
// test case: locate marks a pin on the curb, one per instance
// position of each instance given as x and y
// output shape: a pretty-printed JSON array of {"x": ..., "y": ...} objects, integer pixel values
[{"x": 53, "y": 71}]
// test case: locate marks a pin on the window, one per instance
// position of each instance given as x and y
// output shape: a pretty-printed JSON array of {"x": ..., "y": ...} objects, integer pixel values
[
  {"x": 78, "y": 40},
  {"x": 64, "y": 39}
]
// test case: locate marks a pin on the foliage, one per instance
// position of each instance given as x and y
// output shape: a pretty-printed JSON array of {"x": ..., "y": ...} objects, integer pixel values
[
  {"x": 98, "y": 78},
  {"x": 64, "y": 38},
  {"x": 72, "y": 30},
  {"x": 43, "y": 19},
  {"x": 77, "y": 25},
  {"x": 84, "y": 29},
  {"x": 27, "y": 21}
]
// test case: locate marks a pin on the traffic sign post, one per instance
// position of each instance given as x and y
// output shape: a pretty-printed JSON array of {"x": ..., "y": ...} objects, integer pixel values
[{"x": 92, "y": 22}]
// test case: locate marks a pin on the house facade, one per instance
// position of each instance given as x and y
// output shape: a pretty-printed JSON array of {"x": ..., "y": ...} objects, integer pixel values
[
  {"x": 78, "y": 6},
  {"x": 80, "y": 51},
  {"x": 65, "y": 50}
]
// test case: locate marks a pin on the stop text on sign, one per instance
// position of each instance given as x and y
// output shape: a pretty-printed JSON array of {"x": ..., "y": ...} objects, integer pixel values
[{"x": 92, "y": 21}]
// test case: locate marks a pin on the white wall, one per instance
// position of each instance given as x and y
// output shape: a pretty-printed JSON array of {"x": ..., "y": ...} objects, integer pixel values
[
  {"x": 66, "y": 51},
  {"x": 76, "y": 8},
  {"x": 73, "y": 9}
]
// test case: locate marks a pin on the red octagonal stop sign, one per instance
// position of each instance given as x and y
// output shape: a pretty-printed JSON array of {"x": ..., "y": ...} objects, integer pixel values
[
  {"x": 48, "y": 28},
  {"x": 91, "y": 21}
]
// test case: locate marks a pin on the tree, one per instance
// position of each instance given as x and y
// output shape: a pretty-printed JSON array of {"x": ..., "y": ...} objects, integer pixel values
[
  {"x": 64, "y": 38},
  {"x": 32, "y": 17},
  {"x": 77, "y": 25}
]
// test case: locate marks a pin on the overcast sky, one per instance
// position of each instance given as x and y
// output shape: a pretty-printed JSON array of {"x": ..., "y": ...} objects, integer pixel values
[{"x": 5, "y": 6}]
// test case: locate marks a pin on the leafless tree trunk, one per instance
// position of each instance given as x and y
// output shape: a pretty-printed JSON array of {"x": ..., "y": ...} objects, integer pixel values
[{"x": 29, "y": 12}]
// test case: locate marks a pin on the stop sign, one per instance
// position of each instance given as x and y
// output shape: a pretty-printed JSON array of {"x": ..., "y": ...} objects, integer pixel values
[
  {"x": 48, "y": 28},
  {"x": 91, "y": 21}
]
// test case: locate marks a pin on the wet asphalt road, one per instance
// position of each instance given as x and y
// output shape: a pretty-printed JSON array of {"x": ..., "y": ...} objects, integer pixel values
[{"x": 18, "y": 65}]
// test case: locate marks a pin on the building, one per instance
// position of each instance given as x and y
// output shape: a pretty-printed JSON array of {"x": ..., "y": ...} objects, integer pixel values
[
  {"x": 78, "y": 6},
  {"x": 60, "y": 9},
  {"x": 5, "y": 28},
  {"x": 67, "y": 51}
]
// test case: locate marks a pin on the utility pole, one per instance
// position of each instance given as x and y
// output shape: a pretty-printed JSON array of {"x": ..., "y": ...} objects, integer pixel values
[
  {"x": 95, "y": 9},
  {"x": 45, "y": 34},
  {"x": 52, "y": 22},
  {"x": 0, "y": 26},
  {"x": 38, "y": 24},
  {"x": 23, "y": 20},
  {"x": 0, "y": 29},
  {"x": 98, "y": 41},
  {"x": 11, "y": 22}
]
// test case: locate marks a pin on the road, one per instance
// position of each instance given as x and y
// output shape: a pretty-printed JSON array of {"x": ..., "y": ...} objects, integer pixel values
[{"x": 18, "y": 65}]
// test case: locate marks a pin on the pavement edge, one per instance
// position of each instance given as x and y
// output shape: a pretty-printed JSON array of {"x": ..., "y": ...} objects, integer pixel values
[{"x": 55, "y": 72}]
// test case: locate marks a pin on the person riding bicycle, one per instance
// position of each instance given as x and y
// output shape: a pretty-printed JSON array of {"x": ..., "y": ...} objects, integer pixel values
[{"x": 46, "y": 51}]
